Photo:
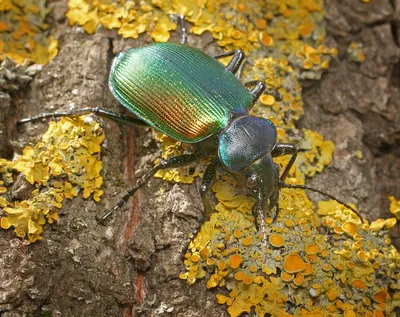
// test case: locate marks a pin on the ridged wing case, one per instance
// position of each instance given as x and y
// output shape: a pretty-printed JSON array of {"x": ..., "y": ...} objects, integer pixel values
[{"x": 178, "y": 90}]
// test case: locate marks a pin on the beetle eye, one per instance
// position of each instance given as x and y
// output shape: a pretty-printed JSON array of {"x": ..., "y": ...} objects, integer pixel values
[{"x": 251, "y": 182}]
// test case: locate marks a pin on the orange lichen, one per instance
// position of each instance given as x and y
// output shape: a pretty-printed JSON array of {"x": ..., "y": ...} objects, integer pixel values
[
  {"x": 246, "y": 241},
  {"x": 311, "y": 249},
  {"x": 350, "y": 228},
  {"x": 239, "y": 276},
  {"x": 332, "y": 294},
  {"x": 204, "y": 253},
  {"x": 286, "y": 277},
  {"x": 359, "y": 284},
  {"x": 311, "y": 258},
  {"x": 195, "y": 257},
  {"x": 299, "y": 279},
  {"x": 267, "y": 100},
  {"x": 222, "y": 265},
  {"x": 276, "y": 240},
  {"x": 293, "y": 263},
  {"x": 338, "y": 230},
  {"x": 362, "y": 257},
  {"x": 289, "y": 223},
  {"x": 265, "y": 39},
  {"x": 235, "y": 260},
  {"x": 308, "y": 270},
  {"x": 237, "y": 234},
  {"x": 381, "y": 296}
]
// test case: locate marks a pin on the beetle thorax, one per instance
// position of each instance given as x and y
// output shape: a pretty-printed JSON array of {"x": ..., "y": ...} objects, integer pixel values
[{"x": 244, "y": 141}]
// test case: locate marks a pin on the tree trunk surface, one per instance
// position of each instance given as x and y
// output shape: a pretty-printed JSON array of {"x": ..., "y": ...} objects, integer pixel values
[{"x": 131, "y": 265}]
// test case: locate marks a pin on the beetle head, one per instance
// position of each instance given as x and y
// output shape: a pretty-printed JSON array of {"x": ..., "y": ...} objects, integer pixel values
[
  {"x": 263, "y": 175},
  {"x": 244, "y": 147}
]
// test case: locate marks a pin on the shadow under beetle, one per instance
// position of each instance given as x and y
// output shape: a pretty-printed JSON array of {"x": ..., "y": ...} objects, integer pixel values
[{"x": 193, "y": 98}]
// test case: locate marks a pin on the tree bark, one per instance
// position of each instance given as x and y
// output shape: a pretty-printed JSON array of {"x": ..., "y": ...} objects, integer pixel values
[{"x": 131, "y": 266}]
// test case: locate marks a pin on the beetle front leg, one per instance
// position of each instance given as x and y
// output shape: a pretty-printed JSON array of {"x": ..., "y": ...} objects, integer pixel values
[
  {"x": 176, "y": 161},
  {"x": 235, "y": 62},
  {"x": 258, "y": 211},
  {"x": 274, "y": 202},
  {"x": 284, "y": 149},
  {"x": 103, "y": 113}
]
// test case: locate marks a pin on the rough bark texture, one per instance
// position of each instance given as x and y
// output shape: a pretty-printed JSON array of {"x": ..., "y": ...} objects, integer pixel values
[{"x": 130, "y": 267}]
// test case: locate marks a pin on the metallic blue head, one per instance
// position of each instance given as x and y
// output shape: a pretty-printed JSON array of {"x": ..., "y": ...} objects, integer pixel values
[
  {"x": 244, "y": 141},
  {"x": 245, "y": 147}
]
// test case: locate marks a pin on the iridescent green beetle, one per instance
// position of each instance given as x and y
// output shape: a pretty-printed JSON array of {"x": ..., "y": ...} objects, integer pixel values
[{"x": 193, "y": 98}]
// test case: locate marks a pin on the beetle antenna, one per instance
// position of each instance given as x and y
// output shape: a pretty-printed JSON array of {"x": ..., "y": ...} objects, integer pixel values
[{"x": 322, "y": 193}]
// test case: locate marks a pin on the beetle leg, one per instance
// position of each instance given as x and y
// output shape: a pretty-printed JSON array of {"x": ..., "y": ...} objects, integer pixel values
[
  {"x": 283, "y": 149},
  {"x": 274, "y": 202},
  {"x": 258, "y": 211},
  {"x": 240, "y": 70},
  {"x": 235, "y": 62},
  {"x": 257, "y": 90},
  {"x": 184, "y": 34},
  {"x": 208, "y": 182},
  {"x": 176, "y": 161},
  {"x": 119, "y": 117}
]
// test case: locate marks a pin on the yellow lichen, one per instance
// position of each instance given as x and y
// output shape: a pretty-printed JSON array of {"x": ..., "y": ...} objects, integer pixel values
[
  {"x": 355, "y": 52},
  {"x": 339, "y": 255},
  {"x": 395, "y": 206},
  {"x": 23, "y": 32},
  {"x": 60, "y": 165}
]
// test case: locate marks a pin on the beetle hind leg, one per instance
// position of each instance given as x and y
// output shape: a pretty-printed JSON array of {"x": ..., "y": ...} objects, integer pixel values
[
  {"x": 237, "y": 59},
  {"x": 176, "y": 161},
  {"x": 184, "y": 33},
  {"x": 103, "y": 113},
  {"x": 257, "y": 90}
]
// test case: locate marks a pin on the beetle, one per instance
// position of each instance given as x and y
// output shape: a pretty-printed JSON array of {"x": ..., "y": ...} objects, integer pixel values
[{"x": 193, "y": 98}]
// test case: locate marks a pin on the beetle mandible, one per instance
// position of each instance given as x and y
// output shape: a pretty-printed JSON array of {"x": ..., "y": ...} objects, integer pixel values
[{"x": 193, "y": 98}]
